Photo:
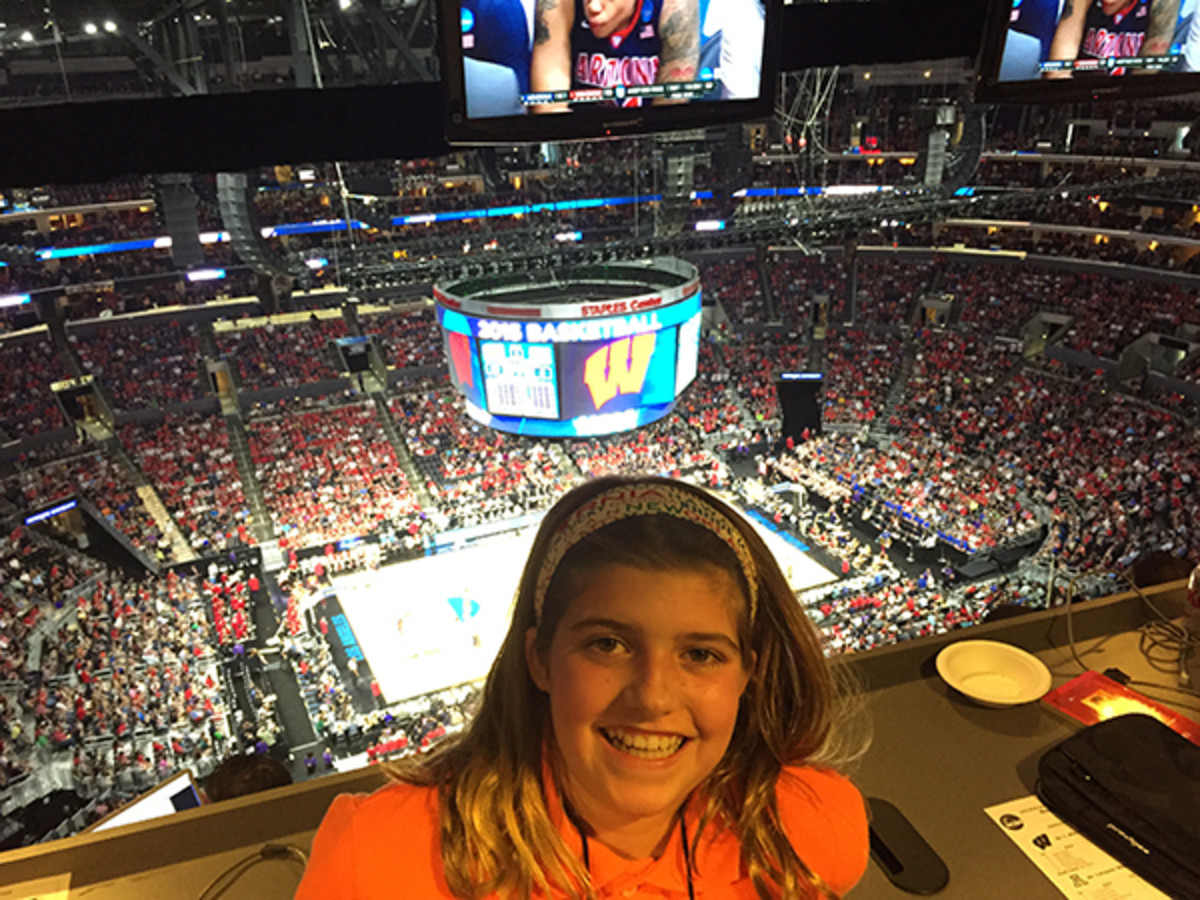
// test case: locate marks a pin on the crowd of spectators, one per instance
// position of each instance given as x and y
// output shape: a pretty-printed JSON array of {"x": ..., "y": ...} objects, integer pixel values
[
  {"x": 619, "y": 170},
  {"x": 860, "y": 367},
  {"x": 26, "y": 372},
  {"x": 475, "y": 473},
  {"x": 330, "y": 474},
  {"x": 417, "y": 724},
  {"x": 668, "y": 447},
  {"x": 754, "y": 362},
  {"x": 409, "y": 340},
  {"x": 796, "y": 279},
  {"x": 707, "y": 404},
  {"x": 111, "y": 678},
  {"x": 149, "y": 366},
  {"x": 90, "y": 269},
  {"x": 1115, "y": 471},
  {"x": 327, "y": 690},
  {"x": 118, "y": 674},
  {"x": 189, "y": 461},
  {"x": 1119, "y": 474},
  {"x": 1107, "y": 312},
  {"x": 887, "y": 289},
  {"x": 877, "y": 610},
  {"x": 998, "y": 299},
  {"x": 957, "y": 380},
  {"x": 102, "y": 226},
  {"x": 987, "y": 296},
  {"x": 949, "y": 497},
  {"x": 154, "y": 292},
  {"x": 1047, "y": 241},
  {"x": 277, "y": 355},
  {"x": 228, "y": 596},
  {"x": 734, "y": 283},
  {"x": 96, "y": 477},
  {"x": 330, "y": 705}
]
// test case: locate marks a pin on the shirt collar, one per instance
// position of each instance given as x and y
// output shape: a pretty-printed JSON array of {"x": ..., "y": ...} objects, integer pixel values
[
  {"x": 618, "y": 38},
  {"x": 717, "y": 862},
  {"x": 1122, "y": 13}
]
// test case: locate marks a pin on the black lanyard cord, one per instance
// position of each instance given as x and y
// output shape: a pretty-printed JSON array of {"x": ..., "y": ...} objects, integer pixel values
[{"x": 687, "y": 853}]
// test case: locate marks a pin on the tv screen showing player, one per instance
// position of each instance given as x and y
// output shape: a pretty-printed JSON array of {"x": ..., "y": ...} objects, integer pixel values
[
  {"x": 1106, "y": 45},
  {"x": 526, "y": 63}
]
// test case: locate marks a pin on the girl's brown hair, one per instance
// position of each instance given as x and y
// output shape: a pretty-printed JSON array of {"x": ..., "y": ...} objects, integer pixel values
[{"x": 496, "y": 832}]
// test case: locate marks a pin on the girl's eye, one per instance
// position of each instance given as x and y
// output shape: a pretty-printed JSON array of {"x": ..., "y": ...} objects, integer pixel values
[
  {"x": 703, "y": 655},
  {"x": 605, "y": 644}
]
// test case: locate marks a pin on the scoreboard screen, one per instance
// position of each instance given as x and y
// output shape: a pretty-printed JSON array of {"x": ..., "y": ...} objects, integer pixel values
[
  {"x": 689, "y": 353},
  {"x": 573, "y": 377},
  {"x": 464, "y": 367},
  {"x": 613, "y": 376},
  {"x": 519, "y": 379}
]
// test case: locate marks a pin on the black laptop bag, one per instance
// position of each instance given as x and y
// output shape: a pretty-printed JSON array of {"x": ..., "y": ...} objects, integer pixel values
[{"x": 1131, "y": 785}]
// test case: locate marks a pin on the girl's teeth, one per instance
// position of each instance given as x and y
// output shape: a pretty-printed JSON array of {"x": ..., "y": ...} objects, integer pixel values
[{"x": 646, "y": 746}]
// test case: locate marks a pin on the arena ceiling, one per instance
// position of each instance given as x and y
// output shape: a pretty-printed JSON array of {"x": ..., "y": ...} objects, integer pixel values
[{"x": 182, "y": 47}]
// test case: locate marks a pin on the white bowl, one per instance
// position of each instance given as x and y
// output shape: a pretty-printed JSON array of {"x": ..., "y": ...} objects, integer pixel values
[{"x": 992, "y": 673}]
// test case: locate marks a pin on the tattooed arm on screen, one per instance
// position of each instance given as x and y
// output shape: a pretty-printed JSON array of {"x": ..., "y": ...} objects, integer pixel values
[
  {"x": 550, "y": 63},
  {"x": 679, "y": 28},
  {"x": 1068, "y": 35},
  {"x": 1160, "y": 33}
]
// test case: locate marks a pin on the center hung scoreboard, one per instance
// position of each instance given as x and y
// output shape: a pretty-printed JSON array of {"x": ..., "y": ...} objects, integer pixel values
[{"x": 573, "y": 352}]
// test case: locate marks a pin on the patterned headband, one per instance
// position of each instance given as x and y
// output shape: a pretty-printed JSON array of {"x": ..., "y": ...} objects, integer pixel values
[{"x": 633, "y": 500}]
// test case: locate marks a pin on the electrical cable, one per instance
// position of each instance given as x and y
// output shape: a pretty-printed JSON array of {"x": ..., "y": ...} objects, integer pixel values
[
  {"x": 1161, "y": 634},
  {"x": 246, "y": 863}
]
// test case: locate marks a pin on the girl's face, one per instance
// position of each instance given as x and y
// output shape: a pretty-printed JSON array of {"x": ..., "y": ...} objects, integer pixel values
[{"x": 644, "y": 675}]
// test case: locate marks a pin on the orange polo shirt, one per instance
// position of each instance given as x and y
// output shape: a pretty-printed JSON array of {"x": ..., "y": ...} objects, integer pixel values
[{"x": 385, "y": 846}]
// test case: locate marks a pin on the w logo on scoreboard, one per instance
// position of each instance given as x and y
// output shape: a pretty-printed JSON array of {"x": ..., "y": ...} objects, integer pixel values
[{"x": 618, "y": 368}]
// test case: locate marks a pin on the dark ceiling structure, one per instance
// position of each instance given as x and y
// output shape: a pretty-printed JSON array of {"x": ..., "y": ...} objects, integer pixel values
[{"x": 102, "y": 88}]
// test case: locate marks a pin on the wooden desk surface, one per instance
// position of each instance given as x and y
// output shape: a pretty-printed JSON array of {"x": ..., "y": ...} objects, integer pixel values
[{"x": 942, "y": 759}]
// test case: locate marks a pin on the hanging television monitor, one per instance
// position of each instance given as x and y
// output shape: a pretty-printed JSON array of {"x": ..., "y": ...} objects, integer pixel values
[
  {"x": 544, "y": 70},
  {"x": 1043, "y": 51}
]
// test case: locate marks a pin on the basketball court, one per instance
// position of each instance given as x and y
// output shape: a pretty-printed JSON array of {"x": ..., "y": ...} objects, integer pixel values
[{"x": 439, "y": 621}]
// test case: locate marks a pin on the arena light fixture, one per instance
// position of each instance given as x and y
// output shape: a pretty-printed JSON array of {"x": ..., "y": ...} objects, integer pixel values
[
  {"x": 50, "y": 513},
  {"x": 110, "y": 26},
  {"x": 90, "y": 28},
  {"x": 27, "y": 37},
  {"x": 206, "y": 275}
]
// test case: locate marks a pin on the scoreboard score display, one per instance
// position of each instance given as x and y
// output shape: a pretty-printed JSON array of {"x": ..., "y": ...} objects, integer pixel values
[{"x": 592, "y": 350}]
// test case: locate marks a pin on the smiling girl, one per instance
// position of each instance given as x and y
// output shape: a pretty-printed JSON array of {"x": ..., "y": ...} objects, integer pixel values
[{"x": 660, "y": 722}]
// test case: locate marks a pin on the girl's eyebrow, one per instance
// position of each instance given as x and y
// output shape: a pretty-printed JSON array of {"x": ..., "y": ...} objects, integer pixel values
[
  {"x": 704, "y": 637},
  {"x": 601, "y": 622},
  {"x": 626, "y": 628}
]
